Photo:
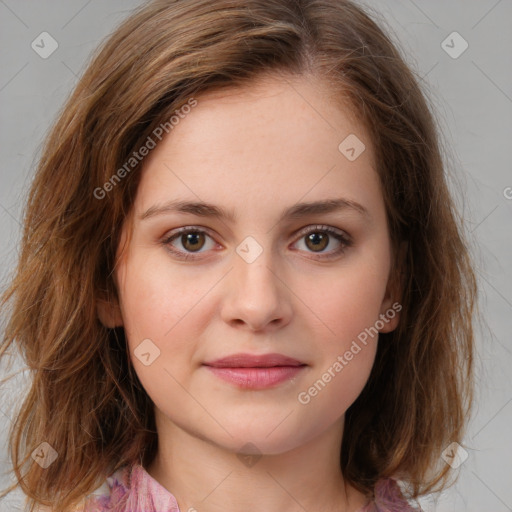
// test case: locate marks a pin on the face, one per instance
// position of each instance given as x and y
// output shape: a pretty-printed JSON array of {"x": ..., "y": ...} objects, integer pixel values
[{"x": 253, "y": 273}]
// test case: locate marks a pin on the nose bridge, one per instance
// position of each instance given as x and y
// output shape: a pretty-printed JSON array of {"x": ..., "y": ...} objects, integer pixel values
[
  {"x": 254, "y": 272},
  {"x": 257, "y": 296}
]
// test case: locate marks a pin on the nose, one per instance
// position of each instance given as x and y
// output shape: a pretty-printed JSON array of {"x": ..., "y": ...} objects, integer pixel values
[{"x": 257, "y": 297}]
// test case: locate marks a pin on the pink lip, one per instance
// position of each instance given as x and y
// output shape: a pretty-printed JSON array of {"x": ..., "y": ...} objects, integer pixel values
[
  {"x": 254, "y": 361},
  {"x": 255, "y": 371}
]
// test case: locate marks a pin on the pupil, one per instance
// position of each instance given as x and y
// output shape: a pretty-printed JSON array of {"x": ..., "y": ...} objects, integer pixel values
[
  {"x": 192, "y": 241},
  {"x": 318, "y": 240}
]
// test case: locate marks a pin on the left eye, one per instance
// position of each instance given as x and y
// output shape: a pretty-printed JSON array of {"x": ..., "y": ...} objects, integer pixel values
[{"x": 318, "y": 238}]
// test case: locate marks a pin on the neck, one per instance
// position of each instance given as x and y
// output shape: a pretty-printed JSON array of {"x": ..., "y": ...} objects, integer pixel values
[{"x": 209, "y": 478}]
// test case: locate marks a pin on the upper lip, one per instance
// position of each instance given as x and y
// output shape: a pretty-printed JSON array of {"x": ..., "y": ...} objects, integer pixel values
[{"x": 254, "y": 361}]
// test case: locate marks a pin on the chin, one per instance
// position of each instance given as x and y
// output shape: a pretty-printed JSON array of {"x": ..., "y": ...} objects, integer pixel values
[{"x": 257, "y": 438}]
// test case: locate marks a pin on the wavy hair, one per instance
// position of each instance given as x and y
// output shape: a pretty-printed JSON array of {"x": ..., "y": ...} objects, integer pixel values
[{"x": 84, "y": 399}]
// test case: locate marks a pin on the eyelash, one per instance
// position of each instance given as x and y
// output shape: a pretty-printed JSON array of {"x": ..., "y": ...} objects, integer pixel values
[{"x": 345, "y": 241}]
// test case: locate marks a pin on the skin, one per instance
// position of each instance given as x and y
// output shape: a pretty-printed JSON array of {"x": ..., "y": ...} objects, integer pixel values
[{"x": 255, "y": 151}]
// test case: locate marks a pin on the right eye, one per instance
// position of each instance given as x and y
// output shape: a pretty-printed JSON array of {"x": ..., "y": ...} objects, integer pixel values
[{"x": 192, "y": 240}]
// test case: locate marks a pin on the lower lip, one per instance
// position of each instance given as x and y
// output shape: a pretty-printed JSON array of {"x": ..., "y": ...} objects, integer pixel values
[{"x": 256, "y": 378}]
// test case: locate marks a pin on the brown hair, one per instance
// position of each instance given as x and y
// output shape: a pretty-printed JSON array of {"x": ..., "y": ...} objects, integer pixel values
[{"x": 85, "y": 399}]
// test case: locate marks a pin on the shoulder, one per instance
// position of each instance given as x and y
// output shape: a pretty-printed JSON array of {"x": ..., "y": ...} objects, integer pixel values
[
  {"x": 389, "y": 498},
  {"x": 111, "y": 491},
  {"x": 77, "y": 508},
  {"x": 131, "y": 489},
  {"x": 44, "y": 508}
]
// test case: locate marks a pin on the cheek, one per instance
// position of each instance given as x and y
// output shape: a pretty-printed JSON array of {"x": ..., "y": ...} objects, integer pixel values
[
  {"x": 158, "y": 304},
  {"x": 345, "y": 345},
  {"x": 155, "y": 297},
  {"x": 347, "y": 302},
  {"x": 335, "y": 388}
]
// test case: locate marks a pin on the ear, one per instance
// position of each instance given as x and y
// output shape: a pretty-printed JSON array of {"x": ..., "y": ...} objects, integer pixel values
[
  {"x": 109, "y": 313},
  {"x": 392, "y": 302}
]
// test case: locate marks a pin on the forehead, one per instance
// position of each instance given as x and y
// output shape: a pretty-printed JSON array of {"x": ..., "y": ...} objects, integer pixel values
[
  {"x": 269, "y": 143},
  {"x": 289, "y": 106}
]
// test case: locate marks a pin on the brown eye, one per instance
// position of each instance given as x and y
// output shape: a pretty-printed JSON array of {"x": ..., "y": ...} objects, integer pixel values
[
  {"x": 323, "y": 241},
  {"x": 188, "y": 242},
  {"x": 317, "y": 241},
  {"x": 193, "y": 241}
]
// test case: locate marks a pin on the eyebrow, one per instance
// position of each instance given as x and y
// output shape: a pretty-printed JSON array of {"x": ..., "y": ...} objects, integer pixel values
[{"x": 297, "y": 211}]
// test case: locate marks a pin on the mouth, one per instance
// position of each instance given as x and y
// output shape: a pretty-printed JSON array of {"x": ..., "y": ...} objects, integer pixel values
[{"x": 256, "y": 371}]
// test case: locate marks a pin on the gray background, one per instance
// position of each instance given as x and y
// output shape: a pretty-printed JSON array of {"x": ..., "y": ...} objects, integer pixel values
[{"x": 472, "y": 97}]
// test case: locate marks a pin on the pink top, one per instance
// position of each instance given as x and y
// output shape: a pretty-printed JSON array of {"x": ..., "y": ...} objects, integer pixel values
[{"x": 136, "y": 490}]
